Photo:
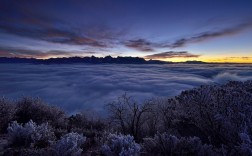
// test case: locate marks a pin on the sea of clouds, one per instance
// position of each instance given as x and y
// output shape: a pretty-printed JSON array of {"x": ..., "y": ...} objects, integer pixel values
[{"x": 81, "y": 87}]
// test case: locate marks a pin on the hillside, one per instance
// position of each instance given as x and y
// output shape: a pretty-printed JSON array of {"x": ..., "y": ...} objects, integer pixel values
[{"x": 209, "y": 120}]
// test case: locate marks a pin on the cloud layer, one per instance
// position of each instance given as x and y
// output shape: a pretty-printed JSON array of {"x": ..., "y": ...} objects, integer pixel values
[{"x": 89, "y": 87}]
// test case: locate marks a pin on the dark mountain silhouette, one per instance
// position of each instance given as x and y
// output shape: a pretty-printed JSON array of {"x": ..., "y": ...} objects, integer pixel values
[
  {"x": 89, "y": 60},
  {"x": 194, "y": 62}
]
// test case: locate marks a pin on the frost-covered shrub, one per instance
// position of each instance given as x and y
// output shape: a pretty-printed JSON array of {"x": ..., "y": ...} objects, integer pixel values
[
  {"x": 165, "y": 144},
  {"x": 7, "y": 113},
  {"x": 36, "y": 110},
  {"x": 122, "y": 145},
  {"x": 69, "y": 145},
  {"x": 222, "y": 112},
  {"x": 245, "y": 148},
  {"x": 30, "y": 134}
]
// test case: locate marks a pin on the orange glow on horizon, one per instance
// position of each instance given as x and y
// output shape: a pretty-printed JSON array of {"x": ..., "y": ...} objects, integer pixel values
[
  {"x": 213, "y": 59},
  {"x": 209, "y": 59}
]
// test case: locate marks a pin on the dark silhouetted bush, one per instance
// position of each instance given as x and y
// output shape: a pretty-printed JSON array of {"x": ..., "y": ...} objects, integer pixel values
[
  {"x": 165, "y": 144},
  {"x": 7, "y": 113},
  {"x": 36, "y": 110}
]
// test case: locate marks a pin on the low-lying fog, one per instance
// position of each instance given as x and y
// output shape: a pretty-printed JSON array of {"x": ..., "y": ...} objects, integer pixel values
[{"x": 89, "y": 87}]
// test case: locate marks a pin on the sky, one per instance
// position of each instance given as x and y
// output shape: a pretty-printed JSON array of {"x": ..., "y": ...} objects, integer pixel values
[{"x": 169, "y": 30}]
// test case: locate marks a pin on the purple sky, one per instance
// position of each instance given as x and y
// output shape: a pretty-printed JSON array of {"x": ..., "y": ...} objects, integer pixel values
[{"x": 173, "y": 30}]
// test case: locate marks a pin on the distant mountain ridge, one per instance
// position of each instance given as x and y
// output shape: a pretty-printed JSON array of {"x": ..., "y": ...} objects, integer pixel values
[{"x": 89, "y": 60}]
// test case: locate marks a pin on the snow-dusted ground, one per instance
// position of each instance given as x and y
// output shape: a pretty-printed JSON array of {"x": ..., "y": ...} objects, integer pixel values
[{"x": 89, "y": 87}]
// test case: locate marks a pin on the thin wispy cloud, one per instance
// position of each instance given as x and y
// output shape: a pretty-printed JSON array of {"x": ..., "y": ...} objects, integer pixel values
[
  {"x": 172, "y": 54},
  {"x": 241, "y": 57},
  {"x": 29, "y": 53},
  {"x": 141, "y": 45},
  {"x": 50, "y": 33},
  {"x": 40, "y": 26},
  {"x": 146, "y": 45},
  {"x": 210, "y": 35}
]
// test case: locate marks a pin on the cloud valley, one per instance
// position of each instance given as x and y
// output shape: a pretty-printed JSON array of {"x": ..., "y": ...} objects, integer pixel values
[{"x": 89, "y": 87}]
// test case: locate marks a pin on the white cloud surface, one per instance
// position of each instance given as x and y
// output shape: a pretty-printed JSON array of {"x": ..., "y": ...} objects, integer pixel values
[{"x": 89, "y": 87}]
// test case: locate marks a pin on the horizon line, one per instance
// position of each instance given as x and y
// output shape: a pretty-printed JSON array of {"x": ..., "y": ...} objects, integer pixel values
[{"x": 187, "y": 61}]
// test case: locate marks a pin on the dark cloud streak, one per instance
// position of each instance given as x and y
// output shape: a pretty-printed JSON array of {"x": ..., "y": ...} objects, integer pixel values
[
  {"x": 141, "y": 44},
  {"x": 25, "y": 21},
  {"x": 149, "y": 46},
  {"x": 171, "y": 54},
  {"x": 29, "y": 53},
  {"x": 210, "y": 35}
]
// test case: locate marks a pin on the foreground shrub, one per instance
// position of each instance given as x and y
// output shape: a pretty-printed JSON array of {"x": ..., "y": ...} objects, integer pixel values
[
  {"x": 165, "y": 144},
  {"x": 7, "y": 113},
  {"x": 69, "y": 145},
  {"x": 30, "y": 134},
  {"x": 245, "y": 148},
  {"x": 122, "y": 145},
  {"x": 27, "y": 152},
  {"x": 221, "y": 112},
  {"x": 36, "y": 110}
]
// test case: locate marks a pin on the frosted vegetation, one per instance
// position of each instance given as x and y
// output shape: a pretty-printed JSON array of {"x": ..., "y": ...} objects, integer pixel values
[
  {"x": 118, "y": 144},
  {"x": 208, "y": 120},
  {"x": 69, "y": 144}
]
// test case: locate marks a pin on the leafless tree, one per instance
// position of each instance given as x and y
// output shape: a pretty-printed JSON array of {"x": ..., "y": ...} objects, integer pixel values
[{"x": 128, "y": 115}]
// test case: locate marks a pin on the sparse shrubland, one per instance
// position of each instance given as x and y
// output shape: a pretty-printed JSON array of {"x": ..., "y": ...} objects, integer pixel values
[{"x": 209, "y": 120}]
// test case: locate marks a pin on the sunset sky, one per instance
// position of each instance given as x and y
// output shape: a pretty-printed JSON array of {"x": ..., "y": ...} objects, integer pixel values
[{"x": 170, "y": 30}]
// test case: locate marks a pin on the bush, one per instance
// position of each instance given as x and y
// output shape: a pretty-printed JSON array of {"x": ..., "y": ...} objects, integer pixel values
[
  {"x": 26, "y": 152},
  {"x": 7, "y": 113},
  {"x": 245, "y": 148},
  {"x": 85, "y": 122},
  {"x": 36, "y": 110},
  {"x": 69, "y": 145},
  {"x": 165, "y": 144},
  {"x": 30, "y": 134},
  {"x": 222, "y": 112},
  {"x": 123, "y": 145}
]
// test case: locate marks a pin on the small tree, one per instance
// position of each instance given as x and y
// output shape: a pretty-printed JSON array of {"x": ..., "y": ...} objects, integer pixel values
[{"x": 128, "y": 115}]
